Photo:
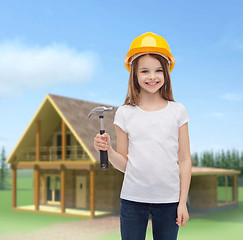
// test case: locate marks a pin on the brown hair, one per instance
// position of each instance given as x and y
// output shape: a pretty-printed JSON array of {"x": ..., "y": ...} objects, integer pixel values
[{"x": 133, "y": 92}]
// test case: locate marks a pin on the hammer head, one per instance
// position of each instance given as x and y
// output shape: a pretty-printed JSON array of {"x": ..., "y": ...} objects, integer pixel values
[{"x": 100, "y": 110}]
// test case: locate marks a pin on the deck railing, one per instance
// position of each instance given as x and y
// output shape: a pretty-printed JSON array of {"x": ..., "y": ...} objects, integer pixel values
[{"x": 54, "y": 153}]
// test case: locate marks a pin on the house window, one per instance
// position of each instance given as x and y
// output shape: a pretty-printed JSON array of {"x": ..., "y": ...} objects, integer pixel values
[
  {"x": 225, "y": 189},
  {"x": 49, "y": 187},
  {"x": 59, "y": 146},
  {"x": 53, "y": 187},
  {"x": 57, "y": 188}
]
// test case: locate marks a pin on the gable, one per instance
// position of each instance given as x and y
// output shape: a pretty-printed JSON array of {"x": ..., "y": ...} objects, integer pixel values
[{"x": 74, "y": 113}]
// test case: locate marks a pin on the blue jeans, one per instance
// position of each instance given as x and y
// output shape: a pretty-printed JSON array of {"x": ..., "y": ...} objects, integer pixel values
[{"x": 134, "y": 218}]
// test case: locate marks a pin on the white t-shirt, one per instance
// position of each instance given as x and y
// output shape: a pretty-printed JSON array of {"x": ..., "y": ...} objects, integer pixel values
[{"x": 152, "y": 171}]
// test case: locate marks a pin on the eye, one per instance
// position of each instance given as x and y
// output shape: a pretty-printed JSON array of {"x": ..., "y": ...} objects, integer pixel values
[{"x": 146, "y": 71}]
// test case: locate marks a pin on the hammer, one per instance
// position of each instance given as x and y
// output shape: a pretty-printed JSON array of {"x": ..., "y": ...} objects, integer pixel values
[{"x": 103, "y": 154}]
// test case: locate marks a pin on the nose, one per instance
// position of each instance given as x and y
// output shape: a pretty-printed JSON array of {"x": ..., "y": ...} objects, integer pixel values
[{"x": 152, "y": 75}]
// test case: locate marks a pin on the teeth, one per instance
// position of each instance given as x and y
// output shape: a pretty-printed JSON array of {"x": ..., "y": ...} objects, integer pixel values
[{"x": 151, "y": 83}]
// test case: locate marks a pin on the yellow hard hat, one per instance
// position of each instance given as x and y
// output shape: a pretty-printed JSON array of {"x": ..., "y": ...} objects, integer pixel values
[{"x": 149, "y": 43}]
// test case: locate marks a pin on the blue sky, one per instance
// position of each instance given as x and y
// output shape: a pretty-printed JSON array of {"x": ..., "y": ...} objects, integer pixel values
[{"x": 77, "y": 49}]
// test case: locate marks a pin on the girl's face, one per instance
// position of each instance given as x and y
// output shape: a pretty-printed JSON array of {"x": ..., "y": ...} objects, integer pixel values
[{"x": 150, "y": 71}]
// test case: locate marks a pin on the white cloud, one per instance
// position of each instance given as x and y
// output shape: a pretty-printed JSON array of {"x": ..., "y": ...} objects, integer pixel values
[
  {"x": 37, "y": 67},
  {"x": 233, "y": 97}
]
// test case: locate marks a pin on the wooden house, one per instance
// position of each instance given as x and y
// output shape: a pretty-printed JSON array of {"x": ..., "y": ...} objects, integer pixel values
[
  {"x": 67, "y": 179},
  {"x": 212, "y": 189}
]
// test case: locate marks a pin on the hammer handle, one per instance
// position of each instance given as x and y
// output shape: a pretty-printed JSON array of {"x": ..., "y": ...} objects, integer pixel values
[{"x": 103, "y": 157}]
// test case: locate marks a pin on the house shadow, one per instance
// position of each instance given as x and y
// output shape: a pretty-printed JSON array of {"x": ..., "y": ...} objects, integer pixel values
[{"x": 230, "y": 213}]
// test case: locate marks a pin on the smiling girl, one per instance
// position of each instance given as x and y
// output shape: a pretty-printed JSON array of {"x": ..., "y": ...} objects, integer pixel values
[{"x": 153, "y": 148}]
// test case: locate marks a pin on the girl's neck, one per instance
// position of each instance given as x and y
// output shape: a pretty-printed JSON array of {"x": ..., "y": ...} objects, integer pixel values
[{"x": 151, "y": 100}]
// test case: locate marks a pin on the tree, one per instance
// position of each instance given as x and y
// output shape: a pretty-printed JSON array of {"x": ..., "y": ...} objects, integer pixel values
[
  {"x": 217, "y": 160},
  {"x": 3, "y": 171},
  {"x": 196, "y": 159},
  {"x": 241, "y": 162},
  {"x": 207, "y": 159},
  {"x": 224, "y": 163},
  {"x": 228, "y": 161},
  {"x": 235, "y": 164}
]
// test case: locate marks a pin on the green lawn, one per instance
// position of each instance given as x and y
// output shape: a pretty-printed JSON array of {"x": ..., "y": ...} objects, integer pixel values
[
  {"x": 25, "y": 221},
  {"x": 223, "y": 225}
]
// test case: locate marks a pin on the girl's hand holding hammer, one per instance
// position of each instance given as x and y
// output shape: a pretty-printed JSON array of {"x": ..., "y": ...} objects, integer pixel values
[{"x": 102, "y": 142}]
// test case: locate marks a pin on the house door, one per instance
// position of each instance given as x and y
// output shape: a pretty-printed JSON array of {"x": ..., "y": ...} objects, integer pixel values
[
  {"x": 53, "y": 189},
  {"x": 81, "y": 192}
]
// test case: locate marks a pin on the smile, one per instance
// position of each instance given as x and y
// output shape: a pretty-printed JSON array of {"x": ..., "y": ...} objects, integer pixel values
[{"x": 152, "y": 84}]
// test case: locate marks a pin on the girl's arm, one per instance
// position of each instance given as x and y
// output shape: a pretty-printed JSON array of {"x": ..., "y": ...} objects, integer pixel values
[
  {"x": 119, "y": 158},
  {"x": 184, "y": 159}
]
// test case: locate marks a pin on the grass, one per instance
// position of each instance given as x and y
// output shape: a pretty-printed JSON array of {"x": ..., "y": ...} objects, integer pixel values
[
  {"x": 25, "y": 221},
  {"x": 223, "y": 225}
]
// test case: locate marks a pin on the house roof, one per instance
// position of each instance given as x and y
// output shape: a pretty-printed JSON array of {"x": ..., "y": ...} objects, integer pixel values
[
  {"x": 212, "y": 171},
  {"x": 75, "y": 112}
]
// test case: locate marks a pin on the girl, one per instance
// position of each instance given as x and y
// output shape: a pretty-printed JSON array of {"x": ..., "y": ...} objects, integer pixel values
[{"x": 153, "y": 148}]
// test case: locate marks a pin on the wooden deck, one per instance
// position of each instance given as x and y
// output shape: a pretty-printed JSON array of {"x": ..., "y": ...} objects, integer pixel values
[{"x": 68, "y": 211}]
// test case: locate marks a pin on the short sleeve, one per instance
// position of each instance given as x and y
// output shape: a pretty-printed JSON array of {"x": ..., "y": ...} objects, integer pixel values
[
  {"x": 119, "y": 119},
  {"x": 183, "y": 115}
]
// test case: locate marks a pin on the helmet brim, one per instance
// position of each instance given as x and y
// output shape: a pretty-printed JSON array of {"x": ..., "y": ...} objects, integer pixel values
[{"x": 148, "y": 50}]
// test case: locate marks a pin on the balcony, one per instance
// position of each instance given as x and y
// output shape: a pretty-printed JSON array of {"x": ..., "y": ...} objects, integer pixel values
[{"x": 54, "y": 153}]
